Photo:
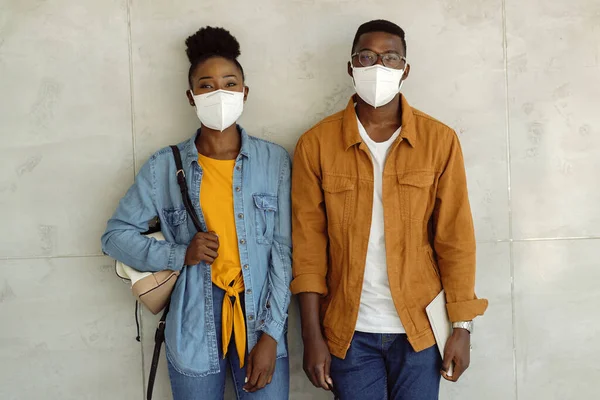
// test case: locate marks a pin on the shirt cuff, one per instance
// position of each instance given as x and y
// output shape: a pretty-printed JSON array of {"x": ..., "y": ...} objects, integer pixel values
[
  {"x": 466, "y": 310},
  {"x": 272, "y": 328},
  {"x": 309, "y": 283},
  {"x": 177, "y": 257}
]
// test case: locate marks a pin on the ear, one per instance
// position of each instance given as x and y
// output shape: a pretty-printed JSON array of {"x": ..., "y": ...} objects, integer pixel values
[
  {"x": 246, "y": 91},
  {"x": 406, "y": 72},
  {"x": 190, "y": 98},
  {"x": 350, "y": 69}
]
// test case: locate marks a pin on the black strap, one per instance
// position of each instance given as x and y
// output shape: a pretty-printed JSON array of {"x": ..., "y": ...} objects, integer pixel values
[
  {"x": 137, "y": 321},
  {"x": 159, "y": 336},
  {"x": 184, "y": 189}
]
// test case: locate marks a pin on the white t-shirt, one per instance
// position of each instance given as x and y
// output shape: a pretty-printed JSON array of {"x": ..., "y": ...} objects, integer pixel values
[{"x": 377, "y": 313}]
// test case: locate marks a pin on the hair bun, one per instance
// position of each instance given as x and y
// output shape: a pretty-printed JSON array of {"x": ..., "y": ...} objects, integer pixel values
[{"x": 209, "y": 41}]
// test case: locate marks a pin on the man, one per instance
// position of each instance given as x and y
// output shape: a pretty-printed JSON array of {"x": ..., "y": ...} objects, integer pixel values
[{"x": 381, "y": 224}]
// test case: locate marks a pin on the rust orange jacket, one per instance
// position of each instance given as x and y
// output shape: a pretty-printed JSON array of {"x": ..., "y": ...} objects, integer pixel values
[{"x": 428, "y": 225}]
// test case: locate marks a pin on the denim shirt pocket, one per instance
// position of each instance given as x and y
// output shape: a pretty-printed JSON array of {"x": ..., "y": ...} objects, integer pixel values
[
  {"x": 266, "y": 207},
  {"x": 175, "y": 220}
]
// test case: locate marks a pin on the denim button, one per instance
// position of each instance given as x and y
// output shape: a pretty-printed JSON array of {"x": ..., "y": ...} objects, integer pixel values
[
  {"x": 238, "y": 189},
  {"x": 238, "y": 168},
  {"x": 246, "y": 266},
  {"x": 243, "y": 241},
  {"x": 250, "y": 317},
  {"x": 241, "y": 216},
  {"x": 249, "y": 291}
]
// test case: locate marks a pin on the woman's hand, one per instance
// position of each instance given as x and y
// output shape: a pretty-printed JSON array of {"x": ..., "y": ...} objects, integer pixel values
[
  {"x": 203, "y": 247},
  {"x": 260, "y": 365}
]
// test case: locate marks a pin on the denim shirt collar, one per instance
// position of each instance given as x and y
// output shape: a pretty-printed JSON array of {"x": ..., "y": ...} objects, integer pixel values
[{"x": 191, "y": 152}]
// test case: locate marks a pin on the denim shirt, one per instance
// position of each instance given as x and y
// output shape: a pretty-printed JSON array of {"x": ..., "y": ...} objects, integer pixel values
[{"x": 262, "y": 206}]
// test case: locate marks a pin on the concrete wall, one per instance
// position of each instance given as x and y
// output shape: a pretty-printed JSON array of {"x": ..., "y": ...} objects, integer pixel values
[{"x": 89, "y": 89}]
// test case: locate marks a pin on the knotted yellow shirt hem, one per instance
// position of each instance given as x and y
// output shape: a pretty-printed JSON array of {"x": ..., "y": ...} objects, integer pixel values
[{"x": 233, "y": 317}]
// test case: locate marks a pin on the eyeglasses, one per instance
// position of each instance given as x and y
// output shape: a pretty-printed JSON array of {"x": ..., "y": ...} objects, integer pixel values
[{"x": 368, "y": 58}]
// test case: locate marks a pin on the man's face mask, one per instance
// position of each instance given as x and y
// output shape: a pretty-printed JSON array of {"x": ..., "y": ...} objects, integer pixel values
[{"x": 377, "y": 85}]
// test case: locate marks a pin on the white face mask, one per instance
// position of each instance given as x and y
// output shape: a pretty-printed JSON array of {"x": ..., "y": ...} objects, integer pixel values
[
  {"x": 377, "y": 85},
  {"x": 220, "y": 109}
]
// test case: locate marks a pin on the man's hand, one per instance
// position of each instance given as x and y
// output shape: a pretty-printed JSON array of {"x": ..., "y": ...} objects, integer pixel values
[
  {"x": 457, "y": 351},
  {"x": 203, "y": 247},
  {"x": 317, "y": 361},
  {"x": 260, "y": 365},
  {"x": 317, "y": 357}
]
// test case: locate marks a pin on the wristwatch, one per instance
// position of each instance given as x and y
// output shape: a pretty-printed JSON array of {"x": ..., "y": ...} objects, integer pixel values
[{"x": 468, "y": 325}]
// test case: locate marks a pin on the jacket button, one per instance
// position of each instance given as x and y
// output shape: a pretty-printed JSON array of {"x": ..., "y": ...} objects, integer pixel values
[
  {"x": 238, "y": 189},
  {"x": 241, "y": 216},
  {"x": 249, "y": 291},
  {"x": 246, "y": 266},
  {"x": 250, "y": 317},
  {"x": 243, "y": 241},
  {"x": 238, "y": 168}
]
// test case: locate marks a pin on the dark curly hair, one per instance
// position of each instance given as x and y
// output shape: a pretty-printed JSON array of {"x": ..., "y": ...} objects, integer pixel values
[
  {"x": 379, "y": 25},
  {"x": 211, "y": 42}
]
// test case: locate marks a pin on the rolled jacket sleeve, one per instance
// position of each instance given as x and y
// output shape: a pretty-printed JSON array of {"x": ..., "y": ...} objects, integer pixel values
[
  {"x": 309, "y": 225},
  {"x": 454, "y": 239}
]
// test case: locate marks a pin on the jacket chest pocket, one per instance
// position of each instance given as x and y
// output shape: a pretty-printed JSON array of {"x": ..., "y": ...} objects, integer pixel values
[
  {"x": 266, "y": 207},
  {"x": 175, "y": 220},
  {"x": 339, "y": 197},
  {"x": 416, "y": 190}
]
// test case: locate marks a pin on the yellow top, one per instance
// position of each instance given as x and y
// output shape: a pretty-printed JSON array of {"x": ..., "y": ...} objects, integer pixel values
[{"x": 216, "y": 198}]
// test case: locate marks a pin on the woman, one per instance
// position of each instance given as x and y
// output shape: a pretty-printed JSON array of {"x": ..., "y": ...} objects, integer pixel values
[{"x": 230, "y": 302}]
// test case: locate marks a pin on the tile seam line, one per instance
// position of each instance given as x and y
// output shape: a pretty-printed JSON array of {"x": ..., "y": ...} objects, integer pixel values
[
  {"x": 558, "y": 239},
  {"x": 524, "y": 240},
  {"x": 509, "y": 200},
  {"x": 131, "y": 87},
  {"x": 133, "y": 151},
  {"x": 539, "y": 239},
  {"x": 64, "y": 256}
]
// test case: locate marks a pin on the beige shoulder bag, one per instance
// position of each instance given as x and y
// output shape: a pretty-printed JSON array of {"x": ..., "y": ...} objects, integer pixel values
[{"x": 152, "y": 289}]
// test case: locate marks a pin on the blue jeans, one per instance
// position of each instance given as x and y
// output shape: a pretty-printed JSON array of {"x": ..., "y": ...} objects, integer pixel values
[
  {"x": 385, "y": 367},
  {"x": 212, "y": 387}
]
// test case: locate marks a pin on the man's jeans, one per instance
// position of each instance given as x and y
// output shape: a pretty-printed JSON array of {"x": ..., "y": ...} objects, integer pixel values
[{"x": 385, "y": 367}]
